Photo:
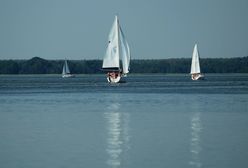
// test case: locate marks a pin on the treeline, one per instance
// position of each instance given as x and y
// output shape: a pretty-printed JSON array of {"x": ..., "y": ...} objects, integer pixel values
[{"x": 38, "y": 65}]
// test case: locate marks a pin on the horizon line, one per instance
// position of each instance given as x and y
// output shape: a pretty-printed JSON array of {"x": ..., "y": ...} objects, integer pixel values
[{"x": 25, "y": 59}]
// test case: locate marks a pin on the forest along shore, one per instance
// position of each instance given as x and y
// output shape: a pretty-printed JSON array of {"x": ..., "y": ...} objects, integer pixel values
[{"x": 37, "y": 65}]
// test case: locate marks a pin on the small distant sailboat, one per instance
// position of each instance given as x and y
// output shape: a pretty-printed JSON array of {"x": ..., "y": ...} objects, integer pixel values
[
  {"x": 117, "y": 49},
  {"x": 66, "y": 71},
  {"x": 195, "y": 65}
]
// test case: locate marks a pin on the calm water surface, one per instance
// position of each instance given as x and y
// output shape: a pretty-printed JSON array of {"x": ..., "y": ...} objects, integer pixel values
[{"x": 151, "y": 121}]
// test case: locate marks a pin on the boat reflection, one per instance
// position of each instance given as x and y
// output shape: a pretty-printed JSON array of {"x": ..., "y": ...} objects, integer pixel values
[
  {"x": 117, "y": 125},
  {"x": 195, "y": 142}
]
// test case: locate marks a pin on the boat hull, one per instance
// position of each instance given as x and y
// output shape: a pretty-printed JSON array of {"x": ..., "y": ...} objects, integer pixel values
[
  {"x": 197, "y": 76},
  {"x": 113, "y": 80},
  {"x": 68, "y": 76}
]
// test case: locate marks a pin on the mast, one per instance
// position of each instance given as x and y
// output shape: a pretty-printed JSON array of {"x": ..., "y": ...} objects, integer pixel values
[{"x": 118, "y": 38}]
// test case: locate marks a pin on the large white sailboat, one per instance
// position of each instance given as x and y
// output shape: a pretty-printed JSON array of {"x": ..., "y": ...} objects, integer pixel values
[
  {"x": 195, "y": 65},
  {"x": 66, "y": 71},
  {"x": 117, "y": 49}
]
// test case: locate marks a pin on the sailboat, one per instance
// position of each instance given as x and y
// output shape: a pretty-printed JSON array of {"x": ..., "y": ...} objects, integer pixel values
[
  {"x": 117, "y": 49},
  {"x": 66, "y": 71},
  {"x": 195, "y": 65}
]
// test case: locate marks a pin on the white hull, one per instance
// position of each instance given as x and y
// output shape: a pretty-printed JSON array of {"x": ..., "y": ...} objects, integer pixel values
[
  {"x": 197, "y": 76},
  {"x": 68, "y": 76},
  {"x": 113, "y": 80}
]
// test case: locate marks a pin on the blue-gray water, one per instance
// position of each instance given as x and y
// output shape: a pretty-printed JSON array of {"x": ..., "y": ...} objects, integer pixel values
[{"x": 151, "y": 121}]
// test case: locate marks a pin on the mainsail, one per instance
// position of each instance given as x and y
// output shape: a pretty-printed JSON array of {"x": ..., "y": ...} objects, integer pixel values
[
  {"x": 111, "y": 58},
  {"x": 195, "y": 65},
  {"x": 66, "y": 69}
]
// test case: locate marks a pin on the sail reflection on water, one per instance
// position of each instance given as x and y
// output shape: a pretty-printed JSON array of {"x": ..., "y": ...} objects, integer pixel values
[
  {"x": 195, "y": 146},
  {"x": 117, "y": 125}
]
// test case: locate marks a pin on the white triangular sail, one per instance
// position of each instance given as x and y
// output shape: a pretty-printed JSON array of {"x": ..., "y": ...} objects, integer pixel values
[
  {"x": 195, "y": 65},
  {"x": 66, "y": 69},
  {"x": 112, "y": 58},
  {"x": 125, "y": 52}
]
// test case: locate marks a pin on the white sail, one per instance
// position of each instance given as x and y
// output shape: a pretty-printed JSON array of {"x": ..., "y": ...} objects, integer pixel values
[
  {"x": 112, "y": 58},
  {"x": 125, "y": 52},
  {"x": 195, "y": 65},
  {"x": 66, "y": 69}
]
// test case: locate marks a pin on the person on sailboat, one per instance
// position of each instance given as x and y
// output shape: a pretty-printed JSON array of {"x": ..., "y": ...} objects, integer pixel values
[
  {"x": 113, "y": 74},
  {"x": 194, "y": 76}
]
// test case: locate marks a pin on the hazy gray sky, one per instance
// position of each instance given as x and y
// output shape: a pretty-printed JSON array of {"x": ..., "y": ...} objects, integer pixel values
[{"x": 78, "y": 29}]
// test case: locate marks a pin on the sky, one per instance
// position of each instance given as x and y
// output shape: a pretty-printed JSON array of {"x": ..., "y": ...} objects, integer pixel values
[{"x": 154, "y": 29}]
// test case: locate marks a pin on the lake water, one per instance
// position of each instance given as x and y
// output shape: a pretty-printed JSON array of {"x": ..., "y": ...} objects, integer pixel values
[{"x": 151, "y": 121}]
